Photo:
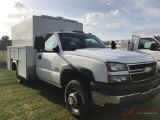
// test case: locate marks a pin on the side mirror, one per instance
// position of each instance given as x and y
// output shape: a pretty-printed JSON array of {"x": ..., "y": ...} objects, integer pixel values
[
  {"x": 153, "y": 46},
  {"x": 56, "y": 49},
  {"x": 39, "y": 43}
]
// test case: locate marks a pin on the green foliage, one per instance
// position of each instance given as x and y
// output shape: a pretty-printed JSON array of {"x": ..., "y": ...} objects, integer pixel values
[
  {"x": 4, "y": 42},
  {"x": 35, "y": 100}
]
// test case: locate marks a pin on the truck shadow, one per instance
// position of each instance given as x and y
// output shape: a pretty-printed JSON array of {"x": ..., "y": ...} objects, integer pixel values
[
  {"x": 112, "y": 112},
  {"x": 48, "y": 91},
  {"x": 132, "y": 111}
]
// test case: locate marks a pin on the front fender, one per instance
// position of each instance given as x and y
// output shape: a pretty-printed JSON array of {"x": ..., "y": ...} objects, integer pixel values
[{"x": 82, "y": 70}]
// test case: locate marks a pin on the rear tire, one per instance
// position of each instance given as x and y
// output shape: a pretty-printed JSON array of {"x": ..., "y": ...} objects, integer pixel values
[{"x": 78, "y": 99}]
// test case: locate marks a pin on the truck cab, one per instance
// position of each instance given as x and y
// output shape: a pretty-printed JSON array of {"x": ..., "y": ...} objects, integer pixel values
[{"x": 147, "y": 45}]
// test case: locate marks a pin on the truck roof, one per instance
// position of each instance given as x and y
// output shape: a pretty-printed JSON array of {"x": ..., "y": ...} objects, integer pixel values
[{"x": 61, "y": 31}]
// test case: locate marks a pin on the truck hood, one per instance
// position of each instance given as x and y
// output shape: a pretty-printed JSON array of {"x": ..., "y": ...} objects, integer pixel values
[{"x": 112, "y": 55}]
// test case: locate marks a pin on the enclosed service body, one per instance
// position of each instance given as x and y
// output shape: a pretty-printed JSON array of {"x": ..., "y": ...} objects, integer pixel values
[
  {"x": 25, "y": 32},
  {"x": 23, "y": 36}
]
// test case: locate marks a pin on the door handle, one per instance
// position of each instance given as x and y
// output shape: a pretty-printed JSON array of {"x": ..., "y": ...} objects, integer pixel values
[{"x": 39, "y": 56}]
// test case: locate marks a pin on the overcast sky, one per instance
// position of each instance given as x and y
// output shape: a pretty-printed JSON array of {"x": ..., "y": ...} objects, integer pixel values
[{"x": 107, "y": 19}]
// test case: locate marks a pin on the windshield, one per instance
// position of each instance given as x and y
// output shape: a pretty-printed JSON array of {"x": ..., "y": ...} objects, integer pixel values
[{"x": 73, "y": 41}]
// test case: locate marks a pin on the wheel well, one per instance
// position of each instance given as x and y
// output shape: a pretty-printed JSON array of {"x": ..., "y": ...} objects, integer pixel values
[
  {"x": 69, "y": 75},
  {"x": 14, "y": 66}
]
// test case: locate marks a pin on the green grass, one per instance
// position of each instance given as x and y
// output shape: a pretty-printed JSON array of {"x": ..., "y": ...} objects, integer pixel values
[
  {"x": 38, "y": 100},
  {"x": 3, "y": 58},
  {"x": 35, "y": 100}
]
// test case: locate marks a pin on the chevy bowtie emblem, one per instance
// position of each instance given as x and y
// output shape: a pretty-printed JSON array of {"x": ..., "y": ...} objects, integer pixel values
[{"x": 147, "y": 69}]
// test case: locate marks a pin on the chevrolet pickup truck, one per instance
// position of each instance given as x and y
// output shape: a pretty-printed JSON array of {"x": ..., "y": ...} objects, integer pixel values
[
  {"x": 147, "y": 45},
  {"x": 80, "y": 64}
]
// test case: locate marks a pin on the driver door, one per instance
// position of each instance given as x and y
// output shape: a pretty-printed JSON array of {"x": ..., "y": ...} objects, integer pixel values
[{"x": 48, "y": 62}]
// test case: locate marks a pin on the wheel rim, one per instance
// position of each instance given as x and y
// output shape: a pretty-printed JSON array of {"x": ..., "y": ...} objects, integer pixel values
[{"x": 74, "y": 100}]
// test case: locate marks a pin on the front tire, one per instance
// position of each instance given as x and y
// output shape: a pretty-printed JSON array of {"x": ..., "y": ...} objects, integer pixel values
[{"x": 78, "y": 99}]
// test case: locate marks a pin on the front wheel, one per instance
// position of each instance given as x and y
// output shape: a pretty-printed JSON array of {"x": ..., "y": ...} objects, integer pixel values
[{"x": 78, "y": 99}]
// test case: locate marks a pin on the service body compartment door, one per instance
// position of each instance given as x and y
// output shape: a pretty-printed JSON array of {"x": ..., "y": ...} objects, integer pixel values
[
  {"x": 22, "y": 63},
  {"x": 9, "y": 58},
  {"x": 14, "y": 53}
]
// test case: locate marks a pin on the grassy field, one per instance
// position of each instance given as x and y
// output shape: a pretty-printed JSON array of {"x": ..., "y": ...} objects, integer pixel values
[
  {"x": 38, "y": 100},
  {"x": 3, "y": 59}
]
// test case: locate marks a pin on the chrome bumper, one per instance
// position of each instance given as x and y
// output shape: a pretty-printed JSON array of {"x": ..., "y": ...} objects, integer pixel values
[{"x": 101, "y": 99}]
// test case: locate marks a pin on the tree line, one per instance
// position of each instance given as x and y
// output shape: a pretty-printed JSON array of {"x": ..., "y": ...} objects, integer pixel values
[{"x": 4, "y": 42}]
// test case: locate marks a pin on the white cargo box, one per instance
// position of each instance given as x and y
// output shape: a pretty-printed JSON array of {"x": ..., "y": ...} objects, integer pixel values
[
  {"x": 22, "y": 52},
  {"x": 24, "y": 33},
  {"x": 25, "y": 58}
]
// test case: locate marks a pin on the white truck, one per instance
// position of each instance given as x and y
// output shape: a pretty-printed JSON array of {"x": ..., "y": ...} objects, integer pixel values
[
  {"x": 80, "y": 64},
  {"x": 147, "y": 45}
]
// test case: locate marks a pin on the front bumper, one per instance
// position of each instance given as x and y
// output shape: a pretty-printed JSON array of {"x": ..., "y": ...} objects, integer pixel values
[{"x": 124, "y": 93}]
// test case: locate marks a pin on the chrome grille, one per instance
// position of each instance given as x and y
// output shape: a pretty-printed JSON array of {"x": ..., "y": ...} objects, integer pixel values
[
  {"x": 139, "y": 72},
  {"x": 142, "y": 66},
  {"x": 142, "y": 76}
]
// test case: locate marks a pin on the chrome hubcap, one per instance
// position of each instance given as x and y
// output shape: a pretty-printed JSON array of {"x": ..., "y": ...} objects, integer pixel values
[{"x": 72, "y": 100}]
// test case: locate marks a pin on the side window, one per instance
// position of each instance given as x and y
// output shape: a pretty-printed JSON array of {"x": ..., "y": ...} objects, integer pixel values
[
  {"x": 51, "y": 43},
  {"x": 145, "y": 43}
]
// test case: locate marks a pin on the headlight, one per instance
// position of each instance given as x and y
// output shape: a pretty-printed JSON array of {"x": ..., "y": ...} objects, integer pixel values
[
  {"x": 118, "y": 78},
  {"x": 116, "y": 67}
]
